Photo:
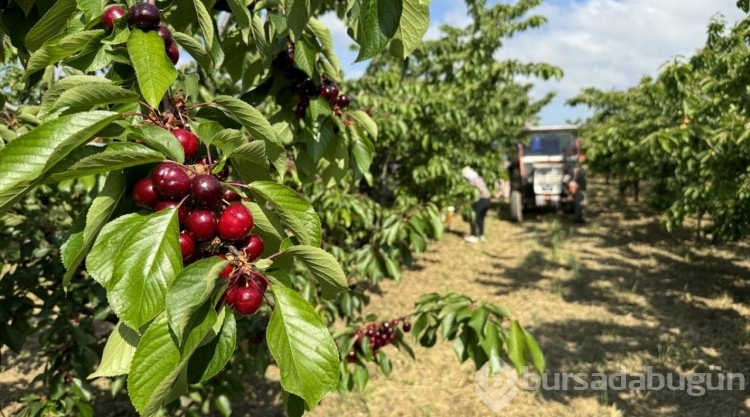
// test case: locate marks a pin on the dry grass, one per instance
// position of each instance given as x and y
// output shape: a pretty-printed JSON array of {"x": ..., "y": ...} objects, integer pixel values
[{"x": 616, "y": 292}]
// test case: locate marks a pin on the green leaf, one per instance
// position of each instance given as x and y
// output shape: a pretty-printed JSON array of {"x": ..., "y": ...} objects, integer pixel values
[
  {"x": 92, "y": 9},
  {"x": 154, "y": 70},
  {"x": 115, "y": 156},
  {"x": 304, "y": 56},
  {"x": 57, "y": 89},
  {"x": 192, "y": 287},
  {"x": 101, "y": 259},
  {"x": 302, "y": 347},
  {"x": 296, "y": 212},
  {"x": 379, "y": 20},
  {"x": 243, "y": 17},
  {"x": 415, "y": 20},
  {"x": 204, "y": 21},
  {"x": 537, "y": 357},
  {"x": 31, "y": 155},
  {"x": 250, "y": 161},
  {"x": 83, "y": 97},
  {"x": 211, "y": 358},
  {"x": 74, "y": 251},
  {"x": 52, "y": 52},
  {"x": 118, "y": 352},
  {"x": 364, "y": 121},
  {"x": 195, "y": 49},
  {"x": 322, "y": 265},
  {"x": 298, "y": 14},
  {"x": 52, "y": 23},
  {"x": 160, "y": 139},
  {"x": 517, "y": 346},
  {"x": 250, "y": 117},
  {"x": 158, "y": 362},
  {"x": 266, "y": 225},
  {"x": 323, "y": 34}
]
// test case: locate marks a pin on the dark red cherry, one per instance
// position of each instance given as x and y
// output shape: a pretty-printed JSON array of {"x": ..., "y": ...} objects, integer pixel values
[
  {"x": 247, "y": 300},
  {"x": 165, "y": 34},
  {"x": 189, "y": 142},
  {"x": 144, "y": 16},
  {"x": 206, "y": 190},
  {"x": 171, "y": 180},
  {"x": 342, "y": 101},
  {"x": 144, "y": 193},
  {"x": 230, "y": 196},
  {"x": 201, "y": 224},
  {"x": 187, "y": 246},
  {"x": 252, "y": 246},
  {"x": 173, "y": 52},
  {"x": 182, "y": 212}
]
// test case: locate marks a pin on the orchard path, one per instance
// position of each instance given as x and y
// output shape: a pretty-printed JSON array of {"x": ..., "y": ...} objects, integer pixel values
[{"x": 617, "y": 292}]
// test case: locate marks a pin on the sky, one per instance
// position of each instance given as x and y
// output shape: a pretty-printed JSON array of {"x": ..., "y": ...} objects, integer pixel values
[{"x": 607, "y": 44}]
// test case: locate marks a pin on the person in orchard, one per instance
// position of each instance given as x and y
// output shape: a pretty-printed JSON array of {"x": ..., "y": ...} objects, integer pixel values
[{"x": 480, "y": 206}]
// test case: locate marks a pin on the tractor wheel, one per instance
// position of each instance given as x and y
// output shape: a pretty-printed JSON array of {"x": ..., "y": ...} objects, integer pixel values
[{"x": 516, "y": 206}]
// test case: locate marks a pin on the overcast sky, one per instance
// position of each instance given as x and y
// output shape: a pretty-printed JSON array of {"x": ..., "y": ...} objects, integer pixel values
[{"x": 598, "y": 43}]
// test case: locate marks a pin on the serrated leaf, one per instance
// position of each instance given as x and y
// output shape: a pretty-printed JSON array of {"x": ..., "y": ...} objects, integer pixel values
[
  {"x": 296, "y": 212},
  {"x": 379, "y": 21},
  {"x": 52, "y": 23},
  {"x": 230, "y": 139},
  {"x": 160, "y": 139},
  {"x": 323, "y": 34},
  {"x": 190, "y": 289},
  {"x": 75, "y": 250},
  {"x": 302, "y": 347},
  {"x": 298, "y": 14},
  {"x": 243, "y": 17},
  {"x": 136, "y": 257},
  {"x": 57, "y": 89},
  {"x": 92, "y": 9},
  {"x": 266, "y": 225},
  {"x": 158, "y": 362},
  {"x": 323, "y": 266},
  {"x": 537, "y": 357},
  {"x": 83, "y": 97},
  {"x": 30, "y": 156},
  {"x": 304, "y": 56},
  {"x": 364, "y": 121},
  {"x": 250, "y": 161},
  {"x": 153, "y": 69},
  {"x": 250, "y": 117},
  {"x": 115, "y": 156},
  {"x": 118, "y": 352},
  {"x": 195, "y": 49},
  {"x": 205, "y": 22},
  {"x": 211, "y": 358},
  {"x": 415, "y": 20},
  {"x": 53, "y": 52}
]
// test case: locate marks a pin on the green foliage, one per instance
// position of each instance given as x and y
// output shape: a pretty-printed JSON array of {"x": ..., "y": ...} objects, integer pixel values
[{"x": 685, "y": 133}]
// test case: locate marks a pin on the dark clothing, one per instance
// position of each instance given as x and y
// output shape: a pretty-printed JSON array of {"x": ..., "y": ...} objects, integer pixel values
[{"x": 480, "y": 212}]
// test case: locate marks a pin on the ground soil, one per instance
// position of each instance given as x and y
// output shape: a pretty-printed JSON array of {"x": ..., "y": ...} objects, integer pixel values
[{"x": 616, "y": 292}]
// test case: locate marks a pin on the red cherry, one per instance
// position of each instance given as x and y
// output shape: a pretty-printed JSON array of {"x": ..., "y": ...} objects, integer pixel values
[
  {"x": 258, "y": 281},
  {"x": 328, "y": 91},
  {"x": 111, "y": 14},
  {"x": 231, "y": 296},
  {"x": 201, "y": 224},
  {"x": 165, "y": 34},
  {"x": 235, "y": 222},
  {"x": 247, "y": 300},
  {"x": 188, "y": 140},
  {"x": 253, "y": 247},
  {"x": 171, "y": 180},
  {"x": 206, "y": 190},
  {"x": 173, "y": 52},
  {"x": 230, "y": 196},
  {"x": 406, "y": 326},
  {"x": 144, "y": 193},
  {"x": 187, "y": 246},
  {"x": 227, "y": 269},
  {"x": 182, "y": 212},
  {"x": 342, "y": 101}
]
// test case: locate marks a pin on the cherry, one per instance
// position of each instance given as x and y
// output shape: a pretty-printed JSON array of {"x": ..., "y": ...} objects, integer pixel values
[
  {"x": 230, "y": 196},
  {"x": 144, "y": 16},
  {"x": 173, "y": 52},
  {"x": 231, "y": 296},
  {"x": 206, "y": 190},
  {"x": 406, "y": 326},
  {"x": 227, "y": 269},
  {"x": 144, "y": 193},
  {"x": 187, "y": 246},
  {"x": 235, "y": 222},
  {"x": 224, "y": 173},
  {"x": 187, "y": 139},
  {"x": 182, "y": 212},
  {"x": 247, "y": 300},
  {"x": 253, "y": 247},
  {"x": 342, "y": 101},
  {"x": 351, "y": 356},
  {"x": 326, "y": 90},
  {"x": 201, "y": 224},
  {"x": 171, "y": 180},
  {"x": 165, "y": 34},
  {"x": 111, "y": 14},
  {"x": 259, "y": 281},
  {"x": 334, "y": 91},
  {"x": 299, "y": 110}
]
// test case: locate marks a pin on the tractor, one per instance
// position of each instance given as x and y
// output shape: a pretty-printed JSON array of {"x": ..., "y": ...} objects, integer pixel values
[{"x": 547, "y": 172}]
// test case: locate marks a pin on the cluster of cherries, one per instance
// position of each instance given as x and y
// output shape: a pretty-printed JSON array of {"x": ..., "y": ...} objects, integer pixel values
[
  {"x": 144, "y": 16},
  {"x": 378, "y": 334},
  {"x": 305, "y": 87},
  {"x": 213, "y": 221}
]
